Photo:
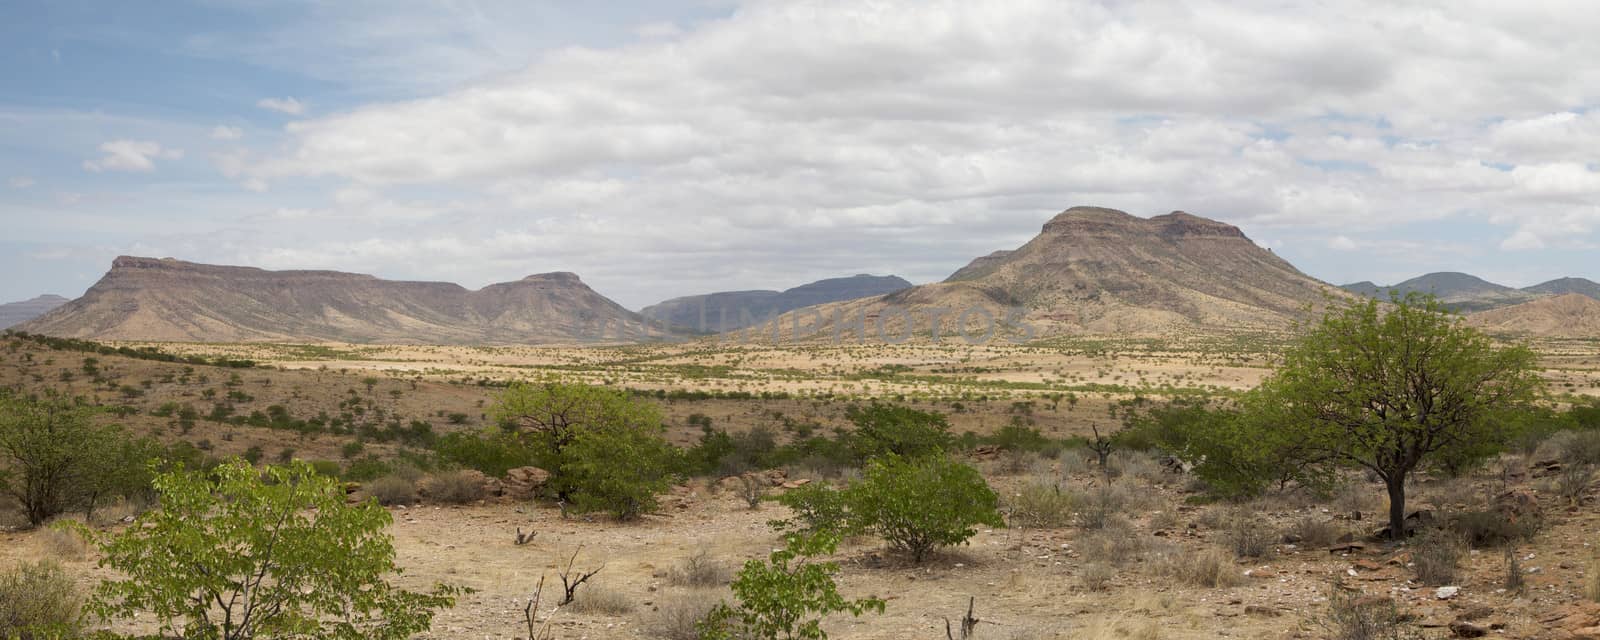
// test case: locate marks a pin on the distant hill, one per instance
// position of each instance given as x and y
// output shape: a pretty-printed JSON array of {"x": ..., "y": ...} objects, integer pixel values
[
  {"x": 1571, "y": 315},
  {"x": 172, "y": 300},
  {"x": 717, "y": 312},
  {"x": 1567, "y": 285},
  {"x": 1098, "y": 270},
  {"x": 1459, "y": 291},
  {"x": 15, "y": 313}
]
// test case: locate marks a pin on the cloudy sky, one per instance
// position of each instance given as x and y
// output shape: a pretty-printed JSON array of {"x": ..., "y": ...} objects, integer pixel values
[{"x": 666, "y": 148}]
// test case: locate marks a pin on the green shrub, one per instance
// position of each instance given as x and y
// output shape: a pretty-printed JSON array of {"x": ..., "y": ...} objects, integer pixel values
[
  {"x": 492, "y": 451},
  {"x": 619, "y": 470},
  {"x": 817, "y": 507},
  {"x": 887, "y": 429},
  {"x": 282, "y": 544},
  {"x": 921, "y": 505},
  {"x": 786, "y": 597},
  {"x": 38, "y": 600}
]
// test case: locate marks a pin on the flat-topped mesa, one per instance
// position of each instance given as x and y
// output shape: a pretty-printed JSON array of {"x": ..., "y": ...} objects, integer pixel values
[
  {"x": 561, "y": 277},
  {"x": 1102, "y": 221}
]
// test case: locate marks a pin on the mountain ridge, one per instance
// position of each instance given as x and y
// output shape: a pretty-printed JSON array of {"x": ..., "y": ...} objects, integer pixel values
[
  {"x": 150, "y": 299},
  {"x": 730, "y": 310},
  {"x": 15, "y": 313}
]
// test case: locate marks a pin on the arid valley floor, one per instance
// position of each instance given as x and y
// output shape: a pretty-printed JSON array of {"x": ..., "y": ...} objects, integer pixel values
[{"x": 1138, "y": 575}]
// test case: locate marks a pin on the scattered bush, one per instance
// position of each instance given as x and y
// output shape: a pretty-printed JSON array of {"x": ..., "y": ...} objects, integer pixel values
[
  {"x": 1572, "y": 447},
  {"x": 62, "y": 541},
  {"x": 455, "y": 487},
  {"x": 886, "y": 429},
  {"x": 1117, "y": 545},
  {"x": 38, "y": 600},
  {"x": 491, "y": 451},
  {"x": 1573, "y": 482},
  {"x": 785, "y": 596},
  {"x": 752, "y": 490},
  {"x": 282, "y": 544},
  {"x": 919, "y": 506}
]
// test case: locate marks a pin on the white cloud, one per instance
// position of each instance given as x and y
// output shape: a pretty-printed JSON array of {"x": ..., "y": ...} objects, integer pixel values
[
  {"x": 20, "y": 182},
  {"x": 130, "y": 155},
  {"x": 1342, "y": 243},
  {"x": 221, "y": 132},
  {"x": 288, "y": 105},
  {"x": 1522, "y": 240}
]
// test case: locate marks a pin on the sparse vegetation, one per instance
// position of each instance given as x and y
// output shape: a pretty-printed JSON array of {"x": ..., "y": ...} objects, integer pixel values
[{"x": 38, "y": 601}]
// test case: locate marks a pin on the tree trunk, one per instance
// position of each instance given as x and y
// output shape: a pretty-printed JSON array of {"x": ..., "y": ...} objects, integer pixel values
[{"x": 1397, "y": 506}]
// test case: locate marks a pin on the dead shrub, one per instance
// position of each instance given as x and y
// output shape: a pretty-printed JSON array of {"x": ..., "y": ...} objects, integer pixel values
[
  {"x": 752, "y": 490},
  {"x": 1591, "y": 579},
  {"x": 675, "y": 619},
  {"x": 1436, "y": 556},
  {"x": 1514, "y": 582},
  {"x": 1096, "y": 577},
  {"x": 1573, "y": 483},
  {"x": 1353, "y": 616},
  {"x": 700, "y": 569},
  {"x": 39, "y": 600},
  {"x": 600, "y": 600},
  {"x": 1099, "y": 507},
  {"x": 1571, "y": 447},
  {"x": 1042, "y": 505},
  {"x": 1248, "y": 536},
  {"x": 392, "y": 490},
  {"x": 456, "y": 487}
]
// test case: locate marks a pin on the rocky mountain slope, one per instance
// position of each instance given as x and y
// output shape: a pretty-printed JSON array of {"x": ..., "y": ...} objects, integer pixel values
[
  {"x": 1562, "y": 286},
  {"x": 728, "y": 310},
  {"x": 1571, "y": 315},
  {"x": 172, "y": 300},
  {"x": 1459, "y": 291},
  {"x": 1103, "y": 271},
  {"x": 15, "y": 313}
]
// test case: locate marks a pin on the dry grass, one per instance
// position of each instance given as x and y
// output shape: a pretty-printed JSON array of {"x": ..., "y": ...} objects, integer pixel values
[
  {"x": 1210, "y": 568},
  {"x": 455, "y": 487},
  {"x": 602, "y": 601},
  {"x": 62, "y": 543},
  {"x": 1591, "y": 579},
  {"x": 1248, "y": 536},
  {"x": 1313, "y": 531}
]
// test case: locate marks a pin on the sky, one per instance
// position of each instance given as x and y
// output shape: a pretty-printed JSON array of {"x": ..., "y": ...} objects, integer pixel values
[{"x": 666, "y": 148}]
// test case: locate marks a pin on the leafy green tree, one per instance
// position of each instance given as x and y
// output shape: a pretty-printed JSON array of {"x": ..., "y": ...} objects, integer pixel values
[
  {"x": 50, "y": 452},
  {"x": 923, "y": 504},
  {"x": 619, "y": 470},
  {"x": 603, "y": 448},
  {"x": 116, "y": 467},
  {"x": 492, "y": 451},
  {"x": 885, "y": 429},
  {"x": 1234, "y": 458},
  {"x": 1390, "y": 388},
  {"x": 786, "y": 597},
  {"x": 240, "y": 553}
]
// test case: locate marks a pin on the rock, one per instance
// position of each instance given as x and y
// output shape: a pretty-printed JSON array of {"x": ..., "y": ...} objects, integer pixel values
[
  {"x": 1464, "y": 629},
  {"x": 1516, "y": 505},
  {"x": 1446, "y": 593},
  {"x": 524, "y": 483},
  {"x": 1346, "y": 547},
  {"x": 1258, "y": 610},
  {"x": 796, "y": 484},
  {"x": 1476, "y": 613}
]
